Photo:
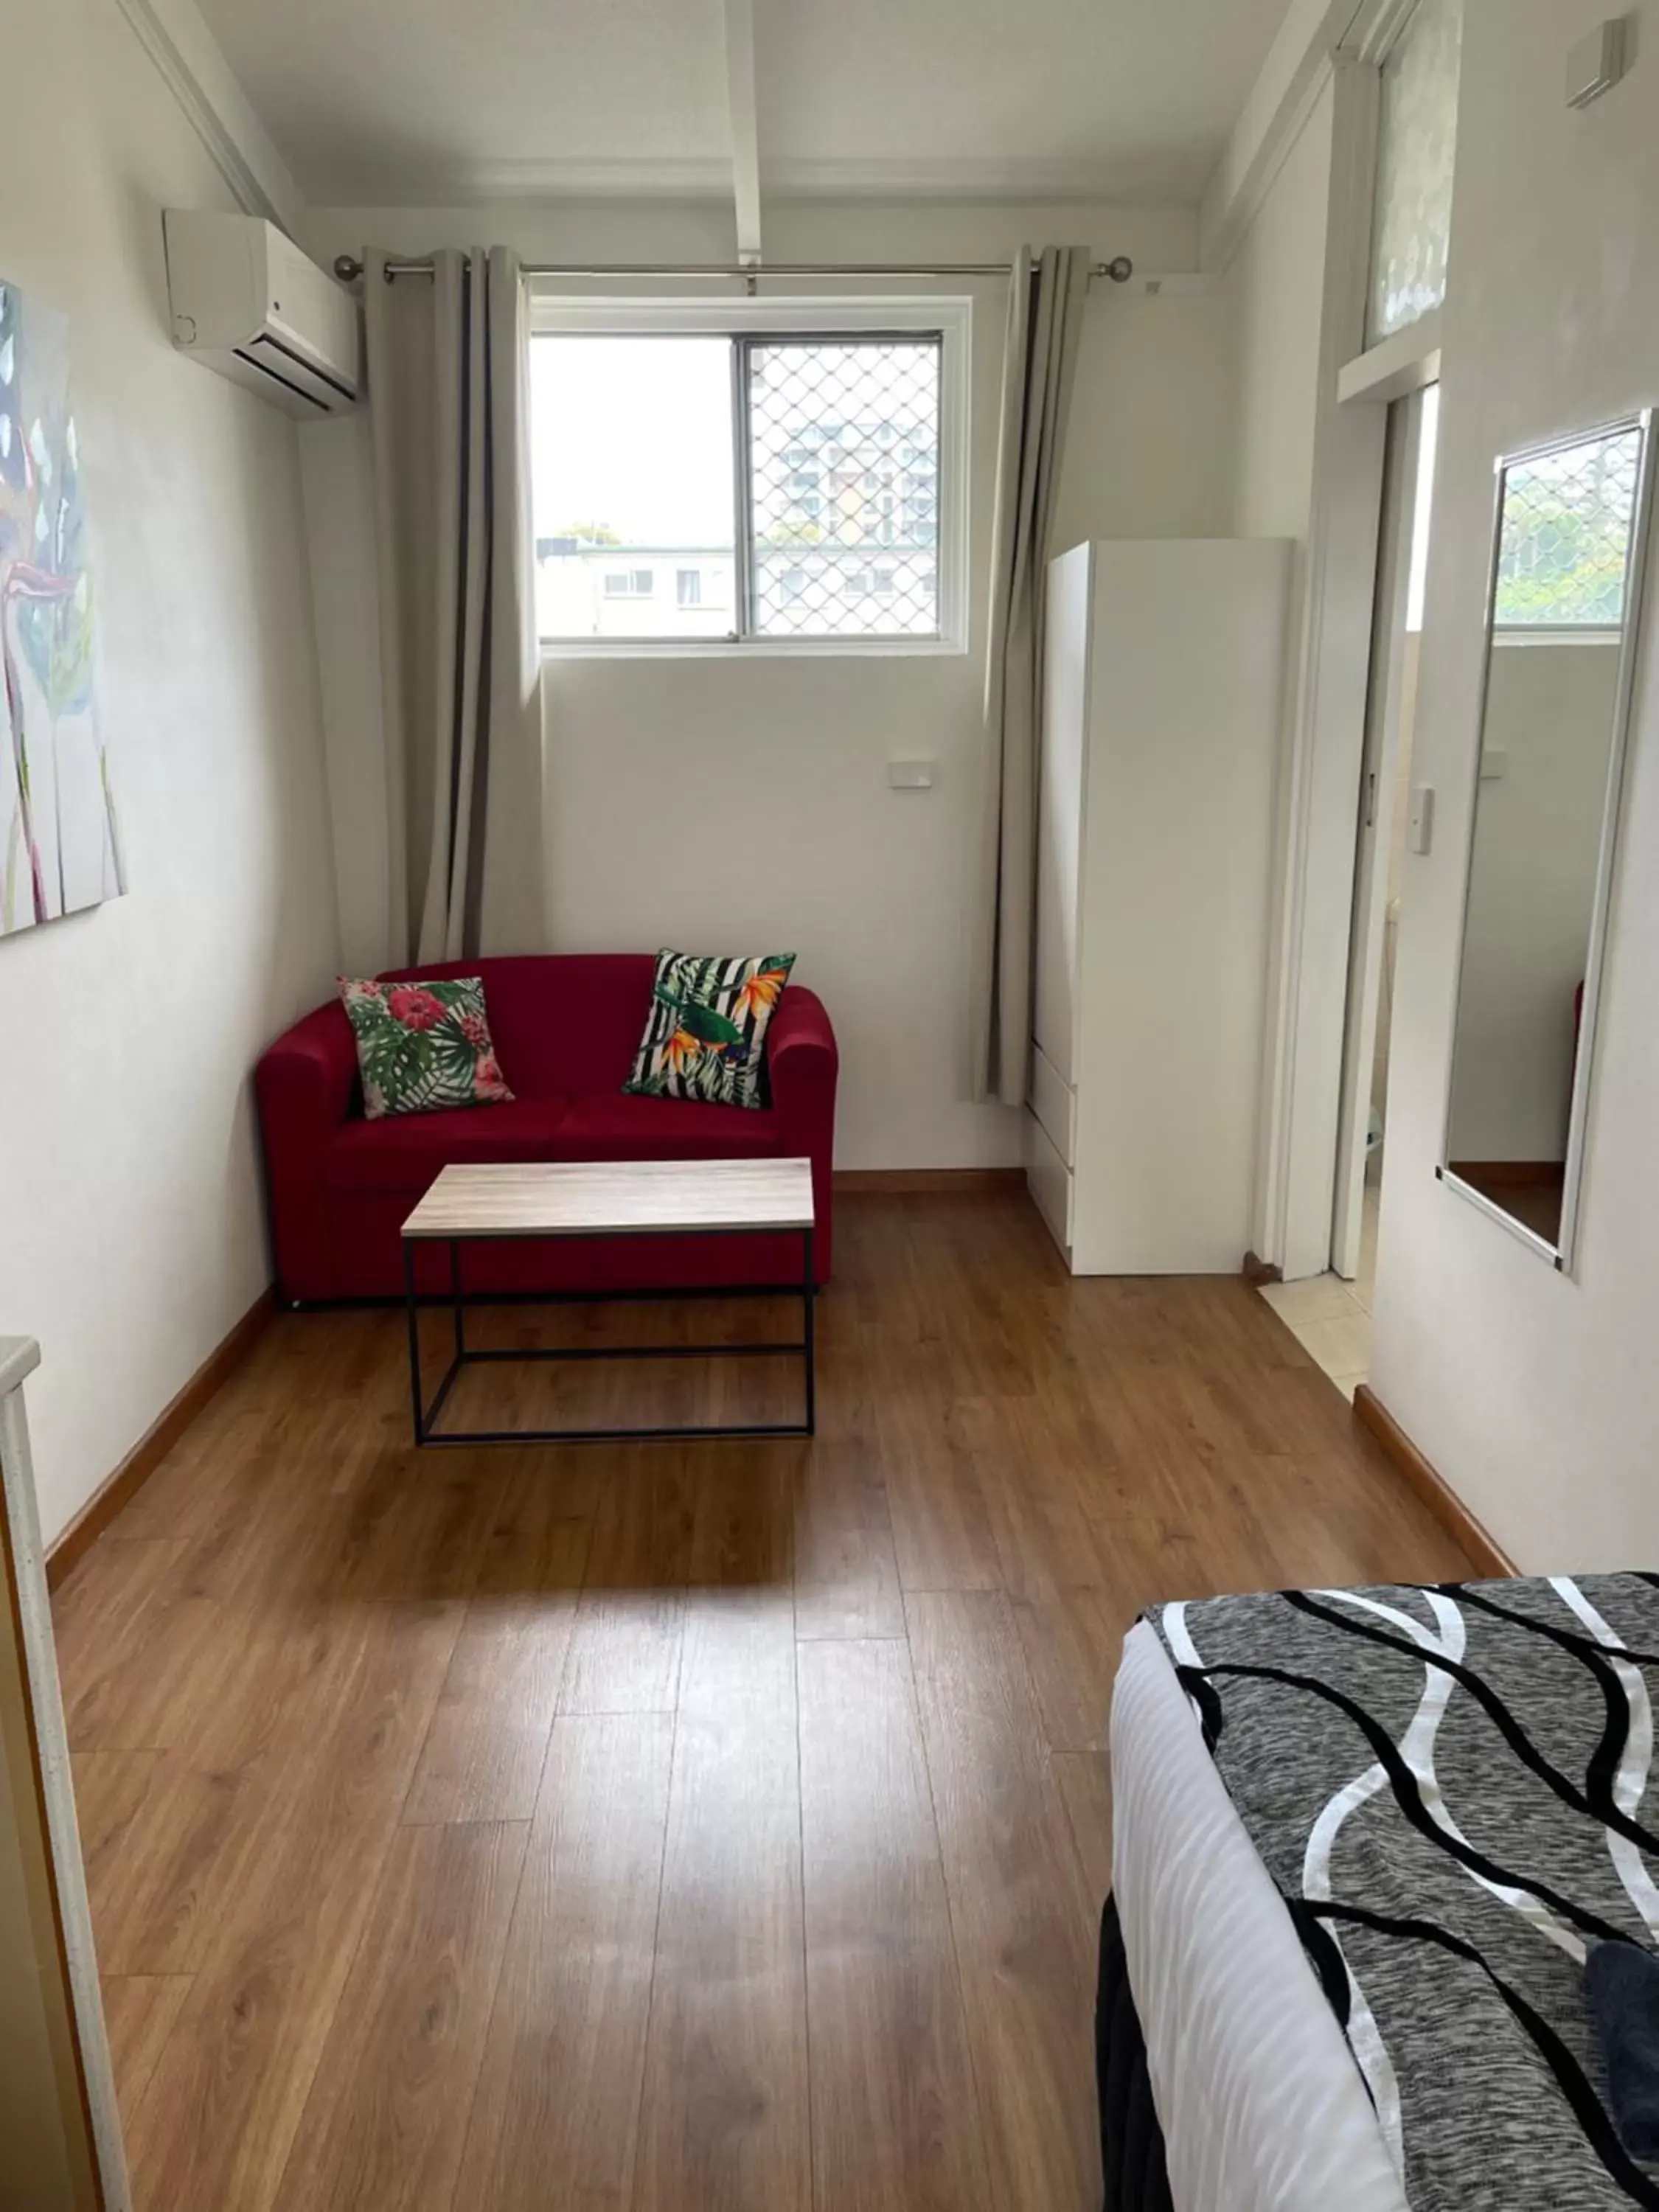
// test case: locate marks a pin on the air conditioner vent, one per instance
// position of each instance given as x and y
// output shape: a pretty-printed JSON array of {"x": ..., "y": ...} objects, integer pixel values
[
  {"x": 248, "y": 303},
  {"x": 274, "y": 359}
]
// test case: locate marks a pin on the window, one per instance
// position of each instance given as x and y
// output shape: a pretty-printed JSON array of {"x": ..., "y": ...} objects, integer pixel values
[
  {"x": 869, "y": 392},
  {"x": 766, "y": 465},
  {"x": 1564, "y": 557},
  {"x": 1417, "y": 140},
  {"x": 633, "y": 437}
]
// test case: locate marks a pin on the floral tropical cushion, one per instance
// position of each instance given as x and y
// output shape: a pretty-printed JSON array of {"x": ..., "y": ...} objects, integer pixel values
[
  {"x": 423, "y": 1046},
  {"x": 706, "y": 1033}
]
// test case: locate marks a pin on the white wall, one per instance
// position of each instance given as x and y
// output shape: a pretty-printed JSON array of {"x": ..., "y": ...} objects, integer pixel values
[
  {"x": 1531, "y": 1391},
  {"x": 132, "y": 1234},
  {"x": 716, "y": 802},
  {"x": 1549, "y": 715},
  {"x": 1274, "y": 289}
]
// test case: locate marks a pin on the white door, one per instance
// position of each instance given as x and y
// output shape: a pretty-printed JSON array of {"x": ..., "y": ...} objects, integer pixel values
[{"x": 1406, "y": 481}]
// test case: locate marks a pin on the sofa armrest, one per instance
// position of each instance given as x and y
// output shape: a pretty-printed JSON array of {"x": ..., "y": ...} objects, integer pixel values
[
  {"x": 802, "y": 1064},
  {"x": 304, "y": 1084}
]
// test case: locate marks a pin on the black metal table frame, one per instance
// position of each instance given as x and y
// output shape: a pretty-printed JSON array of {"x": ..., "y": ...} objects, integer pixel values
[{"x": 464, "y": 1355}]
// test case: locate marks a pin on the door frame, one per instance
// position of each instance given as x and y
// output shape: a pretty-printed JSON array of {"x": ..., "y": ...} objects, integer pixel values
[
  {"x": 1403, "y": 490},
  {"x": 1308, "y": 970}
]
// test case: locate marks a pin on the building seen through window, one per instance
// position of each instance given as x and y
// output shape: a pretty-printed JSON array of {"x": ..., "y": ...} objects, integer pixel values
[{"x": 719, "y": 486}]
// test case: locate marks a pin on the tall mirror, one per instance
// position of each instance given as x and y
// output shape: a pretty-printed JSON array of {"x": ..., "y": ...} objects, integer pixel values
[{"x": 1565, "y": 587}]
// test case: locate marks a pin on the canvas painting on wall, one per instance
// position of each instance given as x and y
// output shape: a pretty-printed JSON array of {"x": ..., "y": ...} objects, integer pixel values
[{"x": 60, "y": 844}]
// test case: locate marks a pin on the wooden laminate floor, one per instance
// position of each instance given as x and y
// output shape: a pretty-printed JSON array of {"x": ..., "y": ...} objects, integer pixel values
[{"x": 706, "y": 1828}]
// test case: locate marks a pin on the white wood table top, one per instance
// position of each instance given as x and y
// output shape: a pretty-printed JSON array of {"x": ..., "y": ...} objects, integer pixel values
[{"x": 614, "y": 1198}]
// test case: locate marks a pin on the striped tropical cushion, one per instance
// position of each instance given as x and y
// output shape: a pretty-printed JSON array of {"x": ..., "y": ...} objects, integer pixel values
[{"x": 705, "y": 1035}]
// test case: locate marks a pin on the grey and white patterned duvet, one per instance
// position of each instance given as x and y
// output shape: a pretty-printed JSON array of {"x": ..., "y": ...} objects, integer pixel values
[{"x": 1451, "y": 1788}]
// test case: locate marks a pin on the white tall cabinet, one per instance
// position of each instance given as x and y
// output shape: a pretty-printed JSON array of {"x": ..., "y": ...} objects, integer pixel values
[{"x": 1163, "y": 663}]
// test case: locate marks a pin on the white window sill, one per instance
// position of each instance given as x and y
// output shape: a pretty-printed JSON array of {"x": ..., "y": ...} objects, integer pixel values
[
  {"x": 759, "y": 648},
  {"x": 1511, "y": 634}
]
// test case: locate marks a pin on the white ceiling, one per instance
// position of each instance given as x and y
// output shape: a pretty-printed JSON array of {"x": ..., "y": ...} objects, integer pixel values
[{"x": 411, "y": 101}]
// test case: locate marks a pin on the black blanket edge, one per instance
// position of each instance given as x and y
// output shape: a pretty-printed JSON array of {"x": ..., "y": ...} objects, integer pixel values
[{"x": 1131, "y": 2139}]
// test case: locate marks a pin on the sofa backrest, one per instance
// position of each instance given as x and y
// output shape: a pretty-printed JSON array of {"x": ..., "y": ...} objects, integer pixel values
[{"x": 562, "y": 1022}]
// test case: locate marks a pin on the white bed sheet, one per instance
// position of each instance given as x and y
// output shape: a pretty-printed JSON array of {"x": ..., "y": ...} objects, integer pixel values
[{"x": 1262, "y": 2106}]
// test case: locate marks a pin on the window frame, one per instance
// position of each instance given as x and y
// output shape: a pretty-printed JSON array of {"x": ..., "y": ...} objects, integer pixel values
[{"x": 826, "y": 318}]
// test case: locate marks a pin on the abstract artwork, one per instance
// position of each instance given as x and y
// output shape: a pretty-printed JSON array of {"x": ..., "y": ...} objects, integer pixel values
[{"x": 59, "y": 844}]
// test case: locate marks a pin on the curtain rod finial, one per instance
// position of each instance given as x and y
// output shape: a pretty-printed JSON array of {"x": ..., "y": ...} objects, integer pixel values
[
  {"x": 1121, "y": 268},
  {"x": 347, "y": 268}
]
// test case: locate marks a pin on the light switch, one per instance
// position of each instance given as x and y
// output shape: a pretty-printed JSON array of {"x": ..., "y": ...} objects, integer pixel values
[
  {"x": 910, "y": 774},
  {"x": 1419, "y": 832},
  {"x": 1494, "y": 762}
]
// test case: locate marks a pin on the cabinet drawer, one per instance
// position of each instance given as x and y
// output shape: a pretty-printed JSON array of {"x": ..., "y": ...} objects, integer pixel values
[
  {"x": 1049, "y": 1180},
  {"x": 1054, "y": 1103}
]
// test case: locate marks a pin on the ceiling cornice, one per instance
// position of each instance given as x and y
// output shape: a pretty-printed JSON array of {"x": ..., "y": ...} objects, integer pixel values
[
  {"x": 1269, "y": 124},
  {"x": 1158, "y": 178},
  {"x": 1313, "y": 35},
  {"x": 451, "y": 184},
  {"x": 201, "y": 82},
  {"x": 1156, "y": 182}
]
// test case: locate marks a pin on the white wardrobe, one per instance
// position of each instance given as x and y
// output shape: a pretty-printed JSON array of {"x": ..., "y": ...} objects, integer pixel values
[{"x": 1164, "y": 664}]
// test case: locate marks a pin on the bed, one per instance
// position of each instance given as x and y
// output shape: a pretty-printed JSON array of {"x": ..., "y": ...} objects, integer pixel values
[{"x": 1363, "y": 1842}]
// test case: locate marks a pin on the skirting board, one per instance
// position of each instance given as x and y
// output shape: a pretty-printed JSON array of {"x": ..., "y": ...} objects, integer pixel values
[
  {"x": 852, "y": 1182},
  {"x": 157, "y": 1441},
  {"x": 1430, "y": 1486}
]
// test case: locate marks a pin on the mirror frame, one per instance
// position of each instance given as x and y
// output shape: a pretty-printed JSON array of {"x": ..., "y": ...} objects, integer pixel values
[{"x": 1561, "y": 1254}]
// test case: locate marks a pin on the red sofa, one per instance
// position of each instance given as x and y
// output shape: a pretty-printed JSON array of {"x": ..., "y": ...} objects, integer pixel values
[{"x": 566, "y": 1029}]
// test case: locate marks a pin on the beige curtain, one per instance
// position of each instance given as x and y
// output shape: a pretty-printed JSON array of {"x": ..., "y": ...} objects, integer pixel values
[
  {"x": 447, "y": 361},
  {"x": 1045, "y": 321}
]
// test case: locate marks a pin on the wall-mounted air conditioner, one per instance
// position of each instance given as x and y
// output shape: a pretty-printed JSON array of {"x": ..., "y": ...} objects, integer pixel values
[{"x": 248, "y": 303}]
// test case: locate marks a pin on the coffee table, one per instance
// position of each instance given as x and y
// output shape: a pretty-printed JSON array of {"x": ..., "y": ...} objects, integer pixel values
[{"x": 480, "y": 1202}]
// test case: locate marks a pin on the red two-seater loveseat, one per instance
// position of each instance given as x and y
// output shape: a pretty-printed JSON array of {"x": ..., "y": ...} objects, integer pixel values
[{"x": 566, "y": 1028}]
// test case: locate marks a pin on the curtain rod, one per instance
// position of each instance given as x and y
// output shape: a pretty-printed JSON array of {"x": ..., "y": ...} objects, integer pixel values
[{"x": 349, "y": 269}]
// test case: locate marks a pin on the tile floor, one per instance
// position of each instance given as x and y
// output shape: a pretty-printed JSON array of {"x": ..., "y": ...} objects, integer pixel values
[{"x": 1332, "y": 1319}]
